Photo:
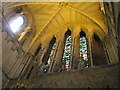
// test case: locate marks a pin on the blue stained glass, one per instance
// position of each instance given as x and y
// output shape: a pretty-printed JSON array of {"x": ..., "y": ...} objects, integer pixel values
[
  {"x": 83, "y": 48},
  {"x": 66, "y": 54},
  {"x": 51, "y": 54},
  {"x": 67, "y": 49}
]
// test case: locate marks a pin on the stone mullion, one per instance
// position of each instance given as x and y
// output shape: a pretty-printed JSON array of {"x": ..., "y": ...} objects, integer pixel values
[
  {"x": 19, "y": 64},
  {"x": 27, "y": 71},
  {"x": 22, "y": 76},
  {"x": 58, "y": 63},
  {"x": 37, "y": 59},
  {"x": 76, "y": 51},
  {"x": 42, "y": 52},
  {"x": 26, "y": 67},
  {"x": 27, "y": 61},
  {"x": 33, "y": 72},
  {"x": 53, "y": 60},
  {"x": 40, "y": 63},
  {"x": 72, "y": 53},
  {"x": 24, "y": 64},
  {"x": 89, "y": 40},
  {"x": 36, "y": 64},
  {"x": 76, "y": 47}
]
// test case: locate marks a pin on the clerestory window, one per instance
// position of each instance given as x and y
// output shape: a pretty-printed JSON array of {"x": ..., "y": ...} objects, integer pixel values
[{"x": 16, "y": 24}]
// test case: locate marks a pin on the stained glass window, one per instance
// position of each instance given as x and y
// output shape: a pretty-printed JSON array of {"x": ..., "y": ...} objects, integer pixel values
[
  {"x": 83, "y": 48},
  {"x": 51, "y": 55},
  {"x": 67, "y": 49}
]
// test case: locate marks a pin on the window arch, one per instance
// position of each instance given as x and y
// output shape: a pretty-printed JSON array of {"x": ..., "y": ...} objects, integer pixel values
[
  {"x": 67, "y": 50},
  {"x": 83, "y": 48},
  {"x": 99, "y": 57},
  {"x": 16, "y": 23},
  {"x": 49, "y": 55}
]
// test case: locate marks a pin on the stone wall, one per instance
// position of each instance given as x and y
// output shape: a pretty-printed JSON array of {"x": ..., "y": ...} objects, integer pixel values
[
  {"x": 14, "y": 59},
  {"x": 94, "y": 77}
]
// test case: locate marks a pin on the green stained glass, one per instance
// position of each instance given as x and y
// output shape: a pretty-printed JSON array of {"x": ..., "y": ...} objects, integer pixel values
[
  {"x": 51, "y": 54},
  {"x": 83, "y": 48},
  {"x": 66, "y": 54}
]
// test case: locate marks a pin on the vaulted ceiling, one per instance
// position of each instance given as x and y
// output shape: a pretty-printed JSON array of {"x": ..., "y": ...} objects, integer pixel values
[{"x": 52, "y": 17}]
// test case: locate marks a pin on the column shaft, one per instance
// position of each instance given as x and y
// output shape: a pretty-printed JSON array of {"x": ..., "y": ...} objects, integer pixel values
[{"x": 90, "y": 49}]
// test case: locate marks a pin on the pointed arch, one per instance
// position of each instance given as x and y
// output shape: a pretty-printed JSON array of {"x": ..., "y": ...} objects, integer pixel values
[
  {"x": 84, "y": 29},
  {"x": 99, "y": 57},
  {"x": 67, "y": 50},
  {"x": 48, "y": 56},
  {"x": 83, "y": 51}
]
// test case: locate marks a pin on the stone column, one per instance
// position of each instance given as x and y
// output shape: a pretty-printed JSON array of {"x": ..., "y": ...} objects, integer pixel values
[
  {"x": 76, "y": 48},
  {"x": 40, "y": 56},
  {"x": 58, "y": 57},
  {"x": 58, "y": 66},
  {"x": 41, "y": 65},
  {"x": 89, "y": 41},
  {"x": 72, "y": 53}
]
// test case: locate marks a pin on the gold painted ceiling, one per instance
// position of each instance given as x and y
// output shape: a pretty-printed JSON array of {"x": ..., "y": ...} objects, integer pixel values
[{"x": 53, "y": 17}]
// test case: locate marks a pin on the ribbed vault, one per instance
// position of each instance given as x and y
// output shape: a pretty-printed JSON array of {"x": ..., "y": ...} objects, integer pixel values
[{"x": 52, "y": 18}]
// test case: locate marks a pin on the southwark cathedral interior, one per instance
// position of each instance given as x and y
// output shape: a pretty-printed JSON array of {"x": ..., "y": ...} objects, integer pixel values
[{"x": 60, "y": 45}]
